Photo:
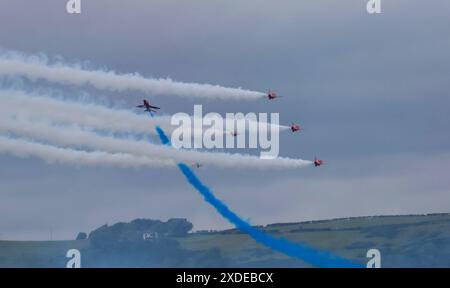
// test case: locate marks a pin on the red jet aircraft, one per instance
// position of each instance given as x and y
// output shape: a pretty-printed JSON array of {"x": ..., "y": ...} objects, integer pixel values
[
  {"x": 272, "y": 95},
  {"x": 318, "y": 162},
  {"x": 148, "y": 107},
  {"x": 295, "y": 127}
]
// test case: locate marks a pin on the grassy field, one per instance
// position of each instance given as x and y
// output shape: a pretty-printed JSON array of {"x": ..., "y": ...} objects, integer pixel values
[{"x": 404, "y": 241}]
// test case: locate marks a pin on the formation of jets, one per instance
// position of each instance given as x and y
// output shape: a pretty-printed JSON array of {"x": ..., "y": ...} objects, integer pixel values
[
  {"x": 270, "y": 95},
  {"x": 294, "y": 127}
]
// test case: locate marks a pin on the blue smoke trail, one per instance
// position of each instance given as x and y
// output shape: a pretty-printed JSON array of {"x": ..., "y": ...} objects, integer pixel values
[
  {"x": 298, "y": 250},
  {"x": 164, "y": 139}
]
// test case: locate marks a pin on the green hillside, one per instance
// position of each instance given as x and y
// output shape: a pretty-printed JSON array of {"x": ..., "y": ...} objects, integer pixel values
[{"x": 404, "y": 241}]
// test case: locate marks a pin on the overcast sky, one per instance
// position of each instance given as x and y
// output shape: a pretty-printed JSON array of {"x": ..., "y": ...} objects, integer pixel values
[{"x": 372, "y": 92}]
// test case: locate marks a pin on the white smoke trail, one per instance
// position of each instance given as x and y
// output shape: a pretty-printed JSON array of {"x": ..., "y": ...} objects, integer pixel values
[
  {"x": 75, "y": 137},
  {"x": 51, "y": 154},
  {"x": 68, "y": 112},
  {"x": 35, "y": 68},
  {"x": 91, "y": 115}
]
